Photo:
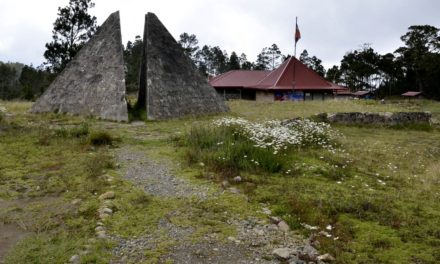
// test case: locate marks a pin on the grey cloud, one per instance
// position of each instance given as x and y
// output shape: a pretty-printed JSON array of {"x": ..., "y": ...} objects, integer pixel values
[{"x": 329, "y": 28}]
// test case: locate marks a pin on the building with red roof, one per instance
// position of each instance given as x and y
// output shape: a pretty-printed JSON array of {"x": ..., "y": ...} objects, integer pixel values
[
  {"x": 292, "y": 80},
  {"x": 413, "y": 94},
  {"x": 364, "y": 94}
]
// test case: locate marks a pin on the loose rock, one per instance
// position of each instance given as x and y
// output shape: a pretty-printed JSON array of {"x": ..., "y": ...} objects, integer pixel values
[
  {"x": 75, "y": 202},
  {"x": 107, "y": 210},
  {"x": 283, "y": 226},
  {"x": 275, "y": 219},
  {"x": 234, "y": 190},
  {"x": 282, "y": 253},
  {"x": 107, "y": 195},
  {"x": 74, "y": 259},
  {"x": 237, "y": 179},
  {"x": 101, "y": 235},
  {"x": 266, "y": 211},
  {"x": 99, "y": 229},
  {"x": 308, "y": 253},
  {"x": 103, "y": 216},
  {"x": 259, "y": 232},
  {"x": 225, "y": 184},
  {"x": 326, "y": 257}
]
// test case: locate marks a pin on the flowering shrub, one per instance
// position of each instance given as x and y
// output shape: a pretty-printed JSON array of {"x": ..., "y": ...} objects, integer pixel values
[
  {"x": 234, "y": 144},
  {"x": 278, "y": 136}
]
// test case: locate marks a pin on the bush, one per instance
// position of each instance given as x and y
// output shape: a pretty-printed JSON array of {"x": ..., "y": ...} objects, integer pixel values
[
  {"x": 79, "y": 131},
  {"x": 235, "y": 144},
  {"x": 100, "y": 138},
  {"x": 97, "y": 165},
  {"x": 279, "y": 136}
]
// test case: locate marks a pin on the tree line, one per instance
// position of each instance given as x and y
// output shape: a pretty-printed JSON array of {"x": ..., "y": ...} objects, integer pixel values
[
  {"x": 22, "y": 81},
  {"x": 414, "y": 66}
]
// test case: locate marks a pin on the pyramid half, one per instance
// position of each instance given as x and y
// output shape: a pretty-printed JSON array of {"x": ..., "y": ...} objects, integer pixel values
[
  {"x": 93, "y": 83},
  {"x": 170, "y": 84}
]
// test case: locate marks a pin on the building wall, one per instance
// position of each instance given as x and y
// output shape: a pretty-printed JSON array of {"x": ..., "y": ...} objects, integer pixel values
[
  {"x": 318, "y": 96},
  {"x": 265, "y": 96},
  {"x": 229, "y": 94}
]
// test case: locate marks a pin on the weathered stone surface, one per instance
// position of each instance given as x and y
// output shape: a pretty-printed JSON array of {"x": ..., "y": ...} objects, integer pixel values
[
  {"x": 93, "y": 83},
  {"x": 387, "y": 118},
  {"x": 283, "y": 226},
  {"x": 282, "y": 253},
  {"x": 170, "y": 84}
]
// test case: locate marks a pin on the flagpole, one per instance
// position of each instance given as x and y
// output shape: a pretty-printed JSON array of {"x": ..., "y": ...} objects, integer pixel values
[
  {"x": 296, "y": 26},
  {"x": 294, "y": 62}
]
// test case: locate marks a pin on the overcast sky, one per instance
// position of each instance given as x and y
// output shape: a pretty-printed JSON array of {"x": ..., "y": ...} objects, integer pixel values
[{"x": 329, "y": 28}]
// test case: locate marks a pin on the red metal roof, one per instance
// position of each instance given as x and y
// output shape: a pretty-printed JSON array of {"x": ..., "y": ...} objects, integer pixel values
[
  {"x": 411, "y": 93},
  {"x": 238, "y": 78},
  {"x": 282, "y": 78},
  {"x": 279, "y": 79}
]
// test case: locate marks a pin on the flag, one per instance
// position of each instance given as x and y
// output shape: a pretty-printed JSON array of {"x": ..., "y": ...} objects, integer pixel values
[{"x": 297, "y": 33}]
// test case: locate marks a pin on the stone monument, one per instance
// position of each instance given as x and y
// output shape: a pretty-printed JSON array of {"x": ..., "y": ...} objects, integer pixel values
[
  {"x": 93, "y": 83},
  {"x": 170, "y": 84}
]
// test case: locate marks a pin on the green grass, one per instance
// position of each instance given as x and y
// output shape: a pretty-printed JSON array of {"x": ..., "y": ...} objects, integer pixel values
[
  {"x": 379, "y": 191},
  {"x": 47, "y": 161},
  {"x": 227, "y": 152}
]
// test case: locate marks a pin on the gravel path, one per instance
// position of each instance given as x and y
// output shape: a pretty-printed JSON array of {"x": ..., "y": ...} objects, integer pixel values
[
  {"x": 255, "y": 241},
  {"x": 155, "y": 178}
]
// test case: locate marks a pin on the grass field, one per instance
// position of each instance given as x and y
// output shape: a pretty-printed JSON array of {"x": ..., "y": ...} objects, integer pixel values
[
  {"x": 380, "y": 192},
  {"x": 377, "y": 197}
]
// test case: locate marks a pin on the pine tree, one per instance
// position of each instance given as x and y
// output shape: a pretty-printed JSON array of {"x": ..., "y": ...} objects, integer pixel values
[
  {"x": 234, "y": 61},
  {"x": 73, "y": 27}
]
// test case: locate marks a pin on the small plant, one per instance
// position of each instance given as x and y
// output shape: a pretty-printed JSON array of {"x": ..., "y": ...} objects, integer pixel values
[
  {"x": 136, "y": 112},
  {"x": 79, "y": 131},
  {"x": 97, "y": 165},
  {"x": 100, "y": 138},
  {"x": 61, "y": 132}
]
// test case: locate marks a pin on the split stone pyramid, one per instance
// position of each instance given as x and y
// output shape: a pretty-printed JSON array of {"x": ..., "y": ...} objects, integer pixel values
[
  {"x": 93, "y": 83},
  {"x": 171, "y": 85}
]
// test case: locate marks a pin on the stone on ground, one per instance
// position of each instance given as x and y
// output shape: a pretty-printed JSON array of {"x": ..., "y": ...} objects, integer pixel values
[
  {"x": 107, "y": 195},
  {"x": 326, "y": 257},
  {"x": 283, "y": 226},
  {"x": 282, "y": 253},
  {"x": 93, "y": 83}
]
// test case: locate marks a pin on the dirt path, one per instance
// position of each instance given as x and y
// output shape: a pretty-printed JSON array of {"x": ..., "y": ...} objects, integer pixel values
[
  {"x": 255, "y": 239},
  {"x": 10, "y": 235}
]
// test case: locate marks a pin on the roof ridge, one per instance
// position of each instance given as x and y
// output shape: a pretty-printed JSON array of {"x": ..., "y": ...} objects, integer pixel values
[
  {"x": 221, "y": 76},
  {"x": 319, "y": 76},
  {"x": 282, "y": 72},
  {"x": 267, "y": 75}
]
